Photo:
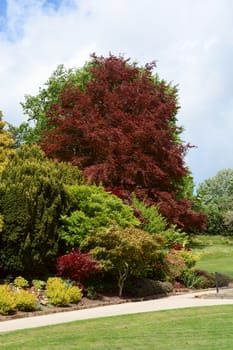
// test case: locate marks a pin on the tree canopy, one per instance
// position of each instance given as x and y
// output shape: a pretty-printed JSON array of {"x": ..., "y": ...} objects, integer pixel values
[
  {"x": 124, "y": 251},
  {"x": 6, "y": 143},
  {"x": 37, "y": 107},
  {"x": 92, "y": 208},
  {"x": 117, "y": 122},
  {"x": 216, "y": 197}
]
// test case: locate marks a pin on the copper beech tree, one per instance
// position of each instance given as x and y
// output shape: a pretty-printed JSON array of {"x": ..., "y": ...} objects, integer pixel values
[{"x": 120, "y": 129}]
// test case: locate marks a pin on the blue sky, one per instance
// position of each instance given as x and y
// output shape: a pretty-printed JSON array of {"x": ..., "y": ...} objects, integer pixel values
[{"x": 192, "y": 42}]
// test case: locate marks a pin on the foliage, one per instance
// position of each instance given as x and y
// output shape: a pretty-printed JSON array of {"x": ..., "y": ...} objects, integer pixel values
[
  {"x": 75, "y": 294},
  {"x": 209, "y": 279},
  {"x": 25, "y": 301},
  {"x": 32, "y": 198},
  {"x": 77, "y": 266},
  {"x": 36, "y": 107},
  {"x": 120, "y": 129},
  {"x": 1, "y": 223},
  {"x": 174, "y": 237},
  {"x": 151, "y": 220},
  {"x": 91, "y": 209},
  {"x": 143, "y": 287},
  {"x": 180, "y": 265},
  {"x": 59, "y": 293},
  {"x": 56, "y": 291},
  {"x": 215, "y": 196},
  {"x": 6, "y": 143},
  {"x": 20, "y": 282},
  {"x": 124, "y": 251},
  {"x": 38, "y": 285},
  {"x": 7, "y": 301}
]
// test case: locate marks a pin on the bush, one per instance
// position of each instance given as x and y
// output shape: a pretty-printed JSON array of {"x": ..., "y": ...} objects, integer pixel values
[
  {"x": 56, "y": 291},
  {"x": 124, "y": 252},
  {"x": 180, "y": 264},
  {"x": 7, "y": 301},
  {"x": 223, "y": 280},
  {"x": 38, "y": 285},
  {"x": 209, "y": 279},
  {"x": 191, "y": 280},
  {"x": 25, "y": 301},
  {"x": 143, "y": 287},
  {"x": 60, "y": 294},
  {"x": 77, "y": 266},
  {"x": 75, "y": 294},
  {"x": 32, "y": 198},
  {"x": 20, "y": 282},
  {"x": 92, "y": 208}
]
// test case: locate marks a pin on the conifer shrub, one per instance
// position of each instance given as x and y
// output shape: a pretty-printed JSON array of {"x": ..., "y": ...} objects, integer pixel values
[
  {"x": 25, "y": 301},
  {"x": 60, "y": 293},
  {"x": 32, "y": 198},
  {"x": 75, "y": 294},
  {"x": 7, "y": 300},
  {"x": 56, "y": 291}
]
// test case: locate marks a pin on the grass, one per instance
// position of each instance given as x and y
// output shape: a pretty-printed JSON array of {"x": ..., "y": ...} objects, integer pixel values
[
  {"x": 216, "y": 254},
  {"x": 209, "y": 328}
]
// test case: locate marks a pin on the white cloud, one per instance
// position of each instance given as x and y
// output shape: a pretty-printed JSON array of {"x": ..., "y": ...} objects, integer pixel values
[{"x": 191, "y": 40}]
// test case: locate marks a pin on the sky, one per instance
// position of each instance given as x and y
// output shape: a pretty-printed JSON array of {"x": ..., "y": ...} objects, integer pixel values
[{"x": 191, "y": 41}]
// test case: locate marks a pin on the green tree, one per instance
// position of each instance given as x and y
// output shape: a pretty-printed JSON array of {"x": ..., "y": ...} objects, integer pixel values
[
  {"x": 124, "y": 252},
  {"x": 6, "y": 143},
  {"x": 36, "y": 107},
  {"x": 92, "y": 208},
  {"x": 32, "y": 198},
  {"x": 216, "y": 197},
  {"x": 153, "y": 222},
  {"x": 1, "y": 223}
]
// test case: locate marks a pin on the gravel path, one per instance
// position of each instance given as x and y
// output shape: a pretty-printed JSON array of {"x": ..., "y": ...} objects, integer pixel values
[{"x": 193, "y": 299}]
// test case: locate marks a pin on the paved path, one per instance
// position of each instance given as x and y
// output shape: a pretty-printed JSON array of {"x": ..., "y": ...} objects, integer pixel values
[{"x": 170, "y": 302}]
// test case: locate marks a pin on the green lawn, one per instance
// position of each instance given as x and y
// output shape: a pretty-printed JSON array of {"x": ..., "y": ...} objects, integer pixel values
[
  {"x": 216, "y": 253},
  {"x": 206, "y": 328}
]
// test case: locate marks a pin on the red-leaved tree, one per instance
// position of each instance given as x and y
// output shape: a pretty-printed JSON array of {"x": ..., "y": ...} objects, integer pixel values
[
  {"x": 77, "y": 266},
  {"x": 121, "y": 131}
]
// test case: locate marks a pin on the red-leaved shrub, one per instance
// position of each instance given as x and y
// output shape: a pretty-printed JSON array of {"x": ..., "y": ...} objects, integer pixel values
[{"x": 77, "y": 266}]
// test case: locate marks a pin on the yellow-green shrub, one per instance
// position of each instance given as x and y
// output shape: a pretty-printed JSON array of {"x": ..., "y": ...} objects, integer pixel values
[
  {"x": 56, "y": 291},
  {"x": 60, "y": 294},
  {"x": 75, "y": 294},
  {"x": 7, "y": 301},
  {"x": 38, "y": 285},
  {"x": 25, "y": 301},
  {"x": 20, "y": 282}
]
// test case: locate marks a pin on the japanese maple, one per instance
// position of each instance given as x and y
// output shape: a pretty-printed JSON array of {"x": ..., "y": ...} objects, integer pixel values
[{"x": 77, "y": 266}]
